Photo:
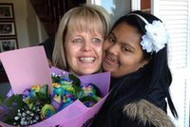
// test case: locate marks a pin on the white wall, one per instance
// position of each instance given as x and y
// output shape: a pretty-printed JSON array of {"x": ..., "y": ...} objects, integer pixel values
[
  {"x": 36, "y": 29},
  {"x": 29, "y": 29},
  {"x": 32, "y": 25},
  {"x": 21, "y": 24}
]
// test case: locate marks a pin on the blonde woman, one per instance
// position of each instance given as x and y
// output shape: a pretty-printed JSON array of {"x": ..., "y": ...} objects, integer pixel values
[{"x": 79, "y": 40}]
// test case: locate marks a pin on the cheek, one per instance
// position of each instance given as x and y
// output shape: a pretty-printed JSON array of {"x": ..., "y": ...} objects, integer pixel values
[
  {"x": 70, "y": 51},
  {"x": 99, "y": 55},
  {"x": 127, "y": 61},
  {"x": 106, "y": 45},
  {"x": 98, "y": 49},
  {"x": 131, "y": 64}
]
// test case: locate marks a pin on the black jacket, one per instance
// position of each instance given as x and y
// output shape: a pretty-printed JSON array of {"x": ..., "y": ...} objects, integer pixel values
[{"x": 134, "y": 102}]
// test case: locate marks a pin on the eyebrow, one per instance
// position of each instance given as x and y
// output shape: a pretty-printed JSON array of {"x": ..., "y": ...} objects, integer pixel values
[
  {"x": 113, "y": 36},
  {"x": 121, "y": 42}
]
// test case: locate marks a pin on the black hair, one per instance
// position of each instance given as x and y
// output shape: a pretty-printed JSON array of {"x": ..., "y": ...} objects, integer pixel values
[
  {"x": 158, "y": 63},
  {"x": 139, "y": 24},
  {"x": 150, "y": 82}
]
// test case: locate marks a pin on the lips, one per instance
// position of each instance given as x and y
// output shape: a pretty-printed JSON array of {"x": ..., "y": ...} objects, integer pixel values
[
  {"x": 111, "y": 60},
  {"x": 87, "y": 59}
]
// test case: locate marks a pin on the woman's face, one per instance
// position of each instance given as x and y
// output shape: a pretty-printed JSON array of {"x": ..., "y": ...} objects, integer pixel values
[
  {"x": 84, "y": 52},
  {"x": 123, "y": 53}
]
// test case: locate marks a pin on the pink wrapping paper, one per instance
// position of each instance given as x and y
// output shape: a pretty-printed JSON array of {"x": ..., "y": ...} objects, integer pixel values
[
  {"x": 31, "y": 64},
  {"x": 26, "y": 67}
]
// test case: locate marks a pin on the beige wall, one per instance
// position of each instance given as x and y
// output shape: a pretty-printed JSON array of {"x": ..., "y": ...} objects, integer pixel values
[{"x": 29, "y": 30}]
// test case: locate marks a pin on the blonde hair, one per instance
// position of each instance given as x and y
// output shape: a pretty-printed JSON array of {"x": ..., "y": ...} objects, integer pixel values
[{"x": 83, "y": 18}]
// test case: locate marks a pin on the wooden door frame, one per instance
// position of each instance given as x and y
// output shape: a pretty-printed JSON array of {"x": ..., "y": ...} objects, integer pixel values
[{"x": 136, "y": 5}]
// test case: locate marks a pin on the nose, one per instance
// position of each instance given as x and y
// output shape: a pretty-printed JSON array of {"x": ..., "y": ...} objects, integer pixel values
[
  {"x": 113, "y": 49},
  {"x": 87, "y": 46}
]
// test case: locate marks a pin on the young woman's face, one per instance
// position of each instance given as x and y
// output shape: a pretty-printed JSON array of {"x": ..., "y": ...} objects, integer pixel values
[
  {"x": 84, "y": 52},
  {"x": 123, "y": 53}
]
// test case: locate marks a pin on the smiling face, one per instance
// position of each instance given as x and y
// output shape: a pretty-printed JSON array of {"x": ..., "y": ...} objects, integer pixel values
[
  {"x": 123, "y": 53},
  {"x": 84, "y": 52}
]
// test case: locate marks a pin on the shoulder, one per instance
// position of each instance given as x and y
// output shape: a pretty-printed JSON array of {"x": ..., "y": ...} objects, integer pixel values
[{"x": 147, "y": 113}]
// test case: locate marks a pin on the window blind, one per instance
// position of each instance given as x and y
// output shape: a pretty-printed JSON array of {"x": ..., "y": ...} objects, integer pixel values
[{"x": 175, "y": 15}]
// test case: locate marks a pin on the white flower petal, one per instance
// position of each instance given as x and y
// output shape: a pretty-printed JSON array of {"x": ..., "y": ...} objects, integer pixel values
[{"x": 155, "y": 38}]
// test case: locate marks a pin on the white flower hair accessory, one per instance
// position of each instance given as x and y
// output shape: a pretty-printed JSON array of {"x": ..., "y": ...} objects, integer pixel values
[
  {"x": 156, "y": 35},
  {"x": 155, "y": 38}
]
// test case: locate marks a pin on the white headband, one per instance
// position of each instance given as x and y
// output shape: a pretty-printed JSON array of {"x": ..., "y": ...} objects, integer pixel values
[
  {"x": 156, "y": 35},
  {"x": 139, "y": 17}
]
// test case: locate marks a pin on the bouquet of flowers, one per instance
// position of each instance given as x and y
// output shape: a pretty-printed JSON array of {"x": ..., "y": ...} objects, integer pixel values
[{"x": 57, "y": 99}]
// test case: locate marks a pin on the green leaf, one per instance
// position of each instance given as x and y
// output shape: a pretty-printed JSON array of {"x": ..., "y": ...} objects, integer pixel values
[
  {"x": 76, "y": 80},
  {"x": 88, "y": 98},
  {"x": 80, "y": 94},
  {"x": 16, "y": 99},
  {"x": 11, "y": 105},
  {"x": 55, "y": 79},
  {"x": 30, "y": 100},
  {"x": 2, "y": 99},
  {"x": 8, "y": 118},
  {"x": 43, "y": 95},
  {"x": 44, "y": 89},
  {"x": 96, "y": 90},
  {"x": 78, "y": 91}
]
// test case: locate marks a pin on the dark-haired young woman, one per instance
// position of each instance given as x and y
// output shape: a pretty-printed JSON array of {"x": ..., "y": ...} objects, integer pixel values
[{"x": 136, "y": 56}]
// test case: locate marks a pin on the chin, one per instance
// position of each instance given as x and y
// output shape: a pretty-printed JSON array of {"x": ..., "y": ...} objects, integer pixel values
[
  {"x": 115, "y": 75},
  {"x": 107, "y": 68},
  {"x": 85, "y": 73},
  {"x": 88, "y": 72}
]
